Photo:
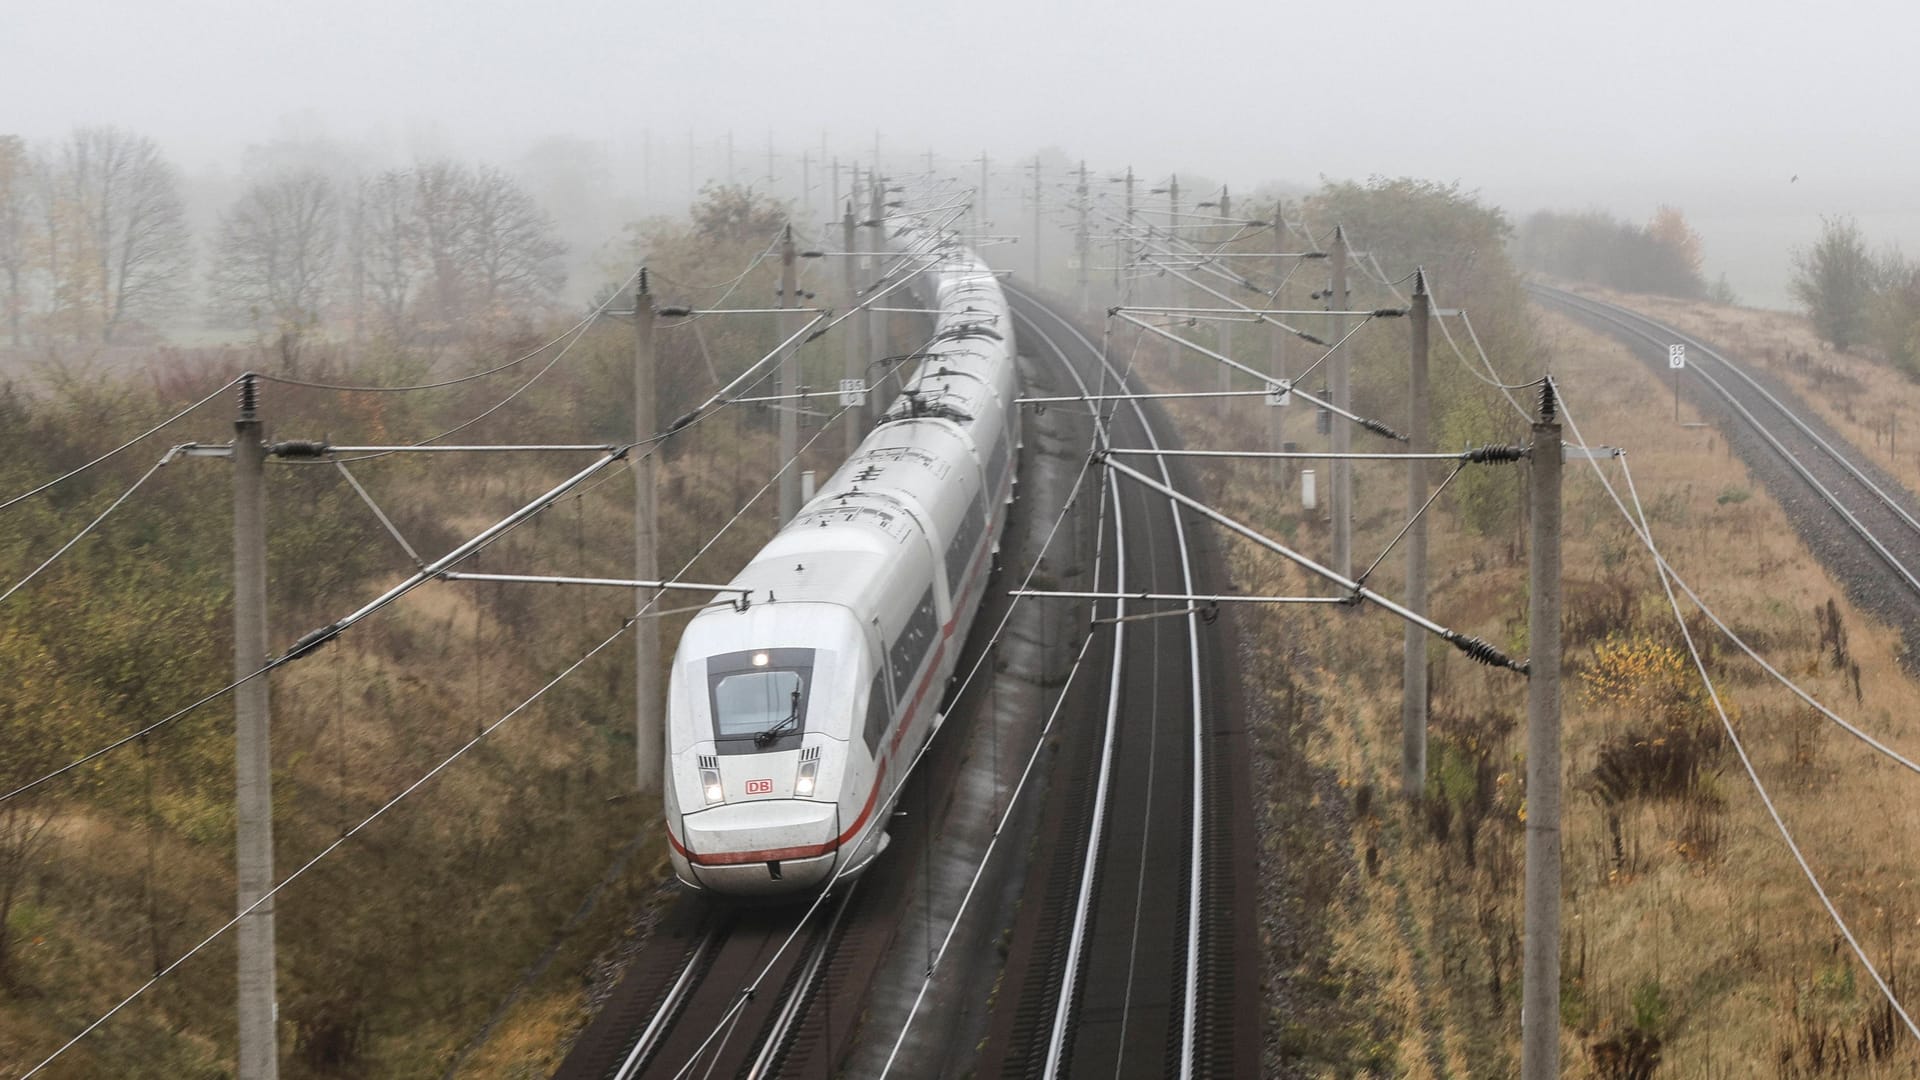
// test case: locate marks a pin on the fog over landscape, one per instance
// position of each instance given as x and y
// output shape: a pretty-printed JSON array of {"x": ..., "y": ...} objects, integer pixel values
[
  {"x": 1753, "y": 123},
  {"x": 564, "y": 540}
]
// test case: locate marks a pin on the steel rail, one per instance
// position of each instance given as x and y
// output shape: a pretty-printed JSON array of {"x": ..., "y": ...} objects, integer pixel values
[
  {"x": 765, "y": 1063},
  {"x": 1063, "y": 1008},
  {"x": 1195, "y": 845},
  {"x": 1624, "y": 319},
  {"x": 1792, "y": 416},
  {"x": 676, "y": 997}
]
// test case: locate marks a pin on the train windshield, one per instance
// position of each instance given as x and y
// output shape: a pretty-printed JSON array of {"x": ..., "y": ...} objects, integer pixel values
[
  {"x": 755, "y": 703},
  {"x": 759, "y": 698}
]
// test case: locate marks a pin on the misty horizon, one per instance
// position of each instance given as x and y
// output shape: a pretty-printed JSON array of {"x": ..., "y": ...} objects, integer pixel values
[{"x": 1643, "y": 105}]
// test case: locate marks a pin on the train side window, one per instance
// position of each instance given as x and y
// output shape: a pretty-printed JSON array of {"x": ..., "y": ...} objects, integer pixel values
[
  {"x": 913, "y": 644},
  {"x": 966, "y": 535},
  {"x": 879, "y": 713},
  {"x": 997, "y": 465}
]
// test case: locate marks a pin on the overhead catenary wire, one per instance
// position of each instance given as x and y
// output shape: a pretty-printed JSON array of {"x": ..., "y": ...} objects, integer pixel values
[
  {"x": 1673, "y": 574},
  {"x": 1101, "y": 442},
  {"x": 71, "y": 473},
  {"x": 91, "y": 525},
  {"x": 578, "y": 331},
  {"x": 1667, "y": 568},
  {"x": 645, "y": 611},
  {"x": 349, "y": 834},
  {"x": 1753, "y": 775},
  {"x": 730, "y": 1016},
  {"x": 332, "y": 630},
  {"x": 592, "y": 314},
  {"x": 1375, "y": 426}
]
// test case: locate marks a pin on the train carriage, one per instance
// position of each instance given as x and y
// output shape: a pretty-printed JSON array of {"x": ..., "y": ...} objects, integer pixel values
[{"x": 792, "y": 722}]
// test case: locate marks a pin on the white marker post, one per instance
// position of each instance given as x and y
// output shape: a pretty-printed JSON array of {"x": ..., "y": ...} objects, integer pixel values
[{"x": 1676, "y": 362}]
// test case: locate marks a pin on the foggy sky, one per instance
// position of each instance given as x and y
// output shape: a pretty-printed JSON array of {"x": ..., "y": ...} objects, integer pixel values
[{"x": 1711, "y": 106}]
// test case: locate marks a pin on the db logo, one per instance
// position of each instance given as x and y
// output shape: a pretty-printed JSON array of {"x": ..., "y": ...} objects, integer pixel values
[{"x": 759, "y": 787}]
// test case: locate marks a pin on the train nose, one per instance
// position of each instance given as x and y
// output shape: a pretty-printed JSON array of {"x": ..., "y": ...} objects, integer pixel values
[{"x": 767, "y": 847}]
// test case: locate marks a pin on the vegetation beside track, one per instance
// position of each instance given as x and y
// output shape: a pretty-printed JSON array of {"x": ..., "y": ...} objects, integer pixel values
[
  {"x": 1693, "y": 946},
  {"x": 402, "y": 945}
]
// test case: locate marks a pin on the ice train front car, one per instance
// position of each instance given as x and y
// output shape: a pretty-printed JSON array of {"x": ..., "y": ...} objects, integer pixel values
[{"x": 792, "y": 720}]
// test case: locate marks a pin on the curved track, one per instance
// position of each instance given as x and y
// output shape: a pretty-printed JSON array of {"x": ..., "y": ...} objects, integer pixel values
[
  {"x": 1130, "y": 958},
  {"x": 1880, "y": 519},
  {"x": 1132, "y": 953}
]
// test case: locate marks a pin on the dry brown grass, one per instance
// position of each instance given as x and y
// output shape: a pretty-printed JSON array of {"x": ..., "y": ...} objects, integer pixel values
[{"x": 1685, "y": 917}]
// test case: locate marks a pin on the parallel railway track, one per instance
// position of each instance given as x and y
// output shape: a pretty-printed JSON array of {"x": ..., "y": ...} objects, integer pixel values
[{"x": 1880, "y": 517}]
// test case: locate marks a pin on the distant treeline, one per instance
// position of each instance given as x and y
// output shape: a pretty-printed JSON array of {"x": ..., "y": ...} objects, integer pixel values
[
  {"x": 96, "y": 247},
  {"x": 1662, "y": 256}
]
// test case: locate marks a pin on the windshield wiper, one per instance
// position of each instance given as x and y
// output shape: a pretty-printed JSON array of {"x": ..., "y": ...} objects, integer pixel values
[{"x": 773, "y": 732}]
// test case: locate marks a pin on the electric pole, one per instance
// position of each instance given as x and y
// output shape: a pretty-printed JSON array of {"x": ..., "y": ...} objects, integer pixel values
[
  {"x": 806, "y": 184},
  {"x": 1080, "y": 247},
  {"x": 1277, "y": 422},
  {"x": 980, "y": 203},
  {"x": 1125, "y": 244},
  {"x": 1036, "y": 221},
  {"x": 1340, "y": 469},
  {"x": 1413, "y": 672},
  {"x": 877, "y": 321},
  {"x": 1540, "y": 964},
  {"x": 650, "y": 739},
  {"x": 729, "y": 157},
  {"x": 693, "y": 181},
  {"x": 850, "y": 372},
  {"x": 252, "y": 754},
  {"x": 1225, "y": 325},
  {"x": 1173, "y": 237},
  {"x": 789, "y": 383}
]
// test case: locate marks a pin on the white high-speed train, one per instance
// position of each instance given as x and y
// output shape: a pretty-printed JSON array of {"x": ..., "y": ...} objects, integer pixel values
[{"x": 791, "y": 723}]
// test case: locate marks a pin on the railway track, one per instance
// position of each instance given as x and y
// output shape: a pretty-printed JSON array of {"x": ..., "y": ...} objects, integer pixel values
[
  {"x": 1877, "y": 512},
  {"x": 1154, "y": 907},
  {"x": 702, "y": 1021},
  {"x": 1130, "y": 955}
]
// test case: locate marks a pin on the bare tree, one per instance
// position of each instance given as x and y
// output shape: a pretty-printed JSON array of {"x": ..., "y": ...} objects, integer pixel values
[
  {"x": 485, "y": 244},
  {"x": 128, "y": 249},
  {"x": 511, "y": 255},
  {"x": 17, "y": 228},
  {"x": 440, "y": 196},
  {"x": 385, "y": 243},
  {"x": 66, "y": 294},
  {"x": 274, "y": 264}
]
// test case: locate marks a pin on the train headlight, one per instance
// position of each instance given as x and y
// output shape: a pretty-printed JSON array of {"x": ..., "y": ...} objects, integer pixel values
[
  {"x": 803, "y": 784},
  {"x": 710, "y": 783}
]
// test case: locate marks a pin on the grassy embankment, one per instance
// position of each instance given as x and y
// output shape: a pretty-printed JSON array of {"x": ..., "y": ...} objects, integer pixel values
[{"x": 1690, "y": 933}]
